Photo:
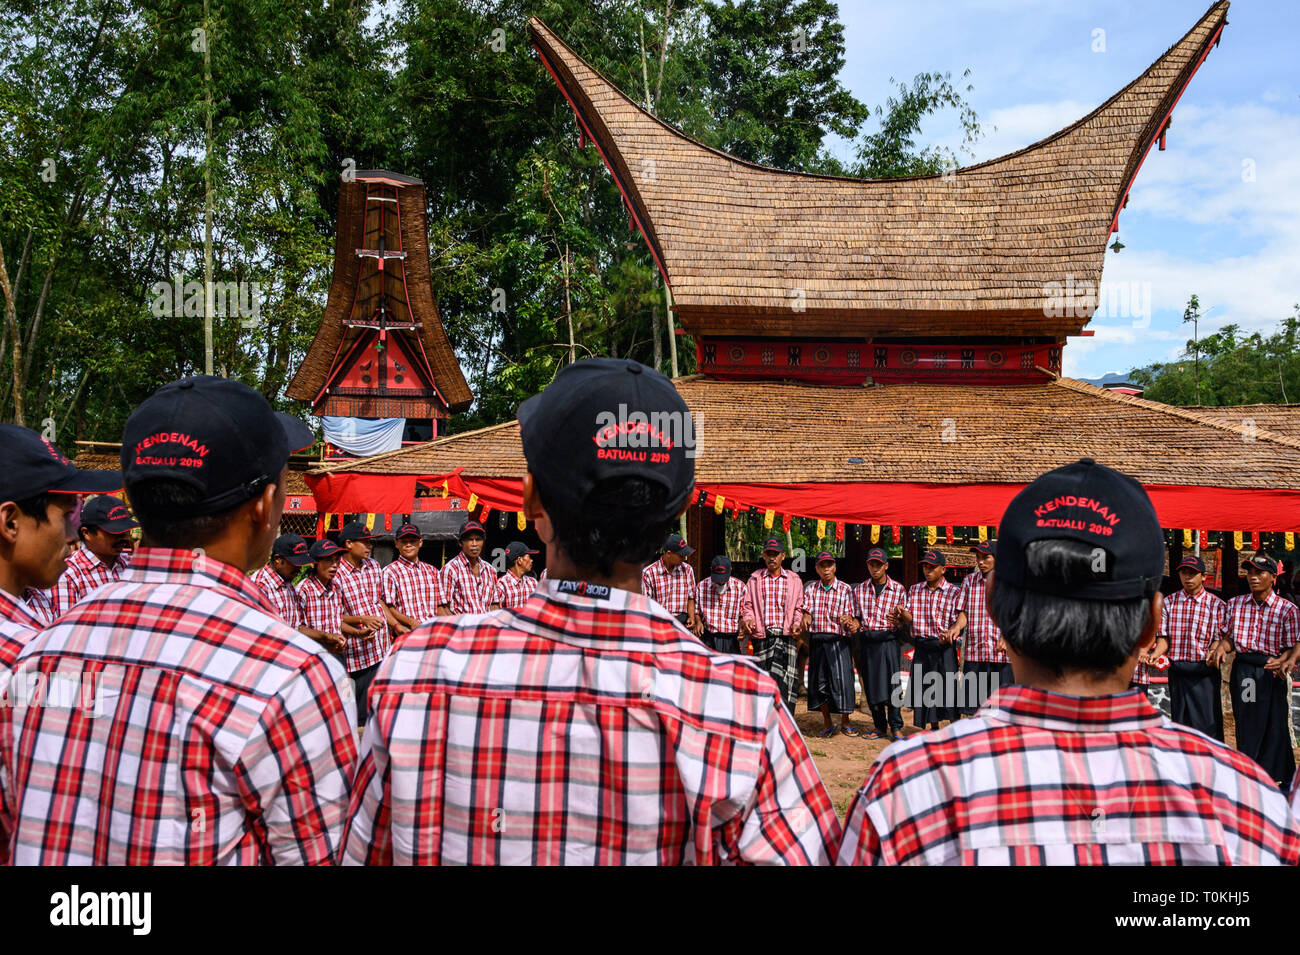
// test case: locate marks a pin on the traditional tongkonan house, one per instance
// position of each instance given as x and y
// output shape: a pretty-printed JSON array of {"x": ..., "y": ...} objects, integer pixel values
[{"x": 885, "y": 355}]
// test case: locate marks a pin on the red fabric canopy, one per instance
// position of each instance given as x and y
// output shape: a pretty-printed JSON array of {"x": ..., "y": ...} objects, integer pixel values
[{"x": 916, "y": 504}]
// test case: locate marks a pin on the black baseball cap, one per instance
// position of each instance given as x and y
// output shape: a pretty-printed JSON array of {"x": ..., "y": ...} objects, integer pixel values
[
  {"x": 934, "y": 557},
  {"x": 515, "y": 550},
  {"x": 293, "y": 549},
  {"x": 1192, "y": 562},
  {"x": 355, "y": 531},
  {"x": 407, "y": 530},
  {"x": 35, "y": 466},
  {"x": 985, "y": 548},
  {"x": 720, "y": 569},
  {"x": 1261, "y": 561},
  {"x": 107, "y": 513},
  {"x": 773, "y": 544},
  {"x": 471, "y": 527},
  {"x": 607, "y": 418},
  {"x": 823, "y": 556},
  {"x": 217, "y": 435},
  {"x": 324, "y": 548},
  {"x": 677, "y": 545},
  {"x": 1093, "y": 504},
  {"x": 878, "y": 553}
]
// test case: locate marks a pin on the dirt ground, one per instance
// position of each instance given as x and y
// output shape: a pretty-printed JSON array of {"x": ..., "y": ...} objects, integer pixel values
[{"x": 844, "y": 762}]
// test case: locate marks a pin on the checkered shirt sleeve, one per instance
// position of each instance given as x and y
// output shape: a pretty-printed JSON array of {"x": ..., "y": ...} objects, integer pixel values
[
  {"x": 1191, "y": 624},
  {"x": 720, "y": 611},
  {"x": 40, "y": 603},
  {"x": 467, "y": 593},
  {"x": 979, "y": 645},
  {"x": 933, "y": 611},
  {"x": 359, "y": 591},
  {"x": 17, "y": 627},
  {"x": 671, "y": 588},
  {"x": 826, "y": 606},
  {"x": 873, "y": 610},
  {"x": 84, "y": 574},
  {"x": 1037, "y": 778},
  {"x": 280, "y": 595},
  {"x": 192, "y": 727},
  {"x": 578, "y": 730},
  {"x": 511, "y": 591},
  {"x": 1269, "y": 629},
  {"x": 414, "y": 588}
]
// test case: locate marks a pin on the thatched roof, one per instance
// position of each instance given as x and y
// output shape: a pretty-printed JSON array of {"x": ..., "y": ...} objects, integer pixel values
[
  {"x": 1279, "y": 419},
  {"x": 747, "y": 249},
  {"x": 294, "y": 484},
  {"x": 783, "y": 432},
  {"x": 357, "y": 279}
]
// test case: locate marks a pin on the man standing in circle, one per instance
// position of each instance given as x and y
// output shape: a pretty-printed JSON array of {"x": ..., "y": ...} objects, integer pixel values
[
  {"x": 772, "y": 614},
  {"x": 828, "y": 620},
  {"x": 103, "y": 556},
  {"x": 1194, "y": 622},
  {"x": 985, "y": 665},
  {"x": 718, "y": 600},
  {"x": 514, "y": 586},
  {"x": 412, "y": 588},
  {"x": 877, "y": 654},
  {"x": 930, "y": 609},
  {"x": 468, "y": 581},
  {"x": 671, "y": 581}
]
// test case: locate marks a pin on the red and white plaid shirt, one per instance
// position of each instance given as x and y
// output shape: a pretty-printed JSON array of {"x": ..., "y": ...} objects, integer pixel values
[
  {"x": 1191, "y": 624},
  {"x": 933, "y": 611},
  {"x": 826, "y": 606},
  {"x": 17, "y": 627},
  {"x": 511, "y": 591},
  {"x": 360, "y": 591},
  {"x": 1041, "y": 778},
  {"x": 84, "y": 575},
  {"x": 720, "y": 611},
  {"x": 462, "y": 591},
  {"x": 414, "y": 588},
  {"x": 982, "y": 634},
  {"x": 197, "y": 729},
  {"x": 40, "y": 603},
  {"x": 672, "y": 588},
  {"x": 280, "y": 595},
  {"x": 1269, "y": 629},
  {"x": 580, "y": 730},
  {"x": 872, "y": 609},
  {"x": 772, "y": 595},
  {"x": 321, "y": 607}
]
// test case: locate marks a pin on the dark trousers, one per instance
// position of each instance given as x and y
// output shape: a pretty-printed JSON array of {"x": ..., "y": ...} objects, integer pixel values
[
  {"x": 932, "y": 694},
  {"x": 722, "y": 642},
  {"x": 878, "y": 659},
  {"x": 361, "y": 689},
  {"x": 1260, "y": 710},
  {"x": 830, "y": 673},
  {"x": 777, "y": 654},
  {"x": 1194, "y": 696},
  {"x": 887, "y": 717}
]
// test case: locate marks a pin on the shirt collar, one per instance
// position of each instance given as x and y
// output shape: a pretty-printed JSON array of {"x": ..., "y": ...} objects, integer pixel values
[
  {"x": 631, "y": 625},
  {"x": 157, "y": 565},
  {"x": 1030, "y": 706},
  {"x": 15, "y": 610}
]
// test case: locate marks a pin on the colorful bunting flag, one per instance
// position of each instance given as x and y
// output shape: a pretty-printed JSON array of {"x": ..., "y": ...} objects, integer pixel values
[
  {"x": 521, "y": 522},
  {"x": 821, "y": 529},
  {"x": 717, "y": 504},
  {"x": 931, "y": 534},
  {"x": 1187, "y": 538},
  {"x": 875, "y": 533},
  {"x": 768, "y": 517}
]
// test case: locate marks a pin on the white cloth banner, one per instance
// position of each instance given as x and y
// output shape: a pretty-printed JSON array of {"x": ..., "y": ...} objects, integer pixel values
[{"x": 364, "y": 436}]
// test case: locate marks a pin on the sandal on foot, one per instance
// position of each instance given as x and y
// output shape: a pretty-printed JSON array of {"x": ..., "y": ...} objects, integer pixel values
[
  {"x": 871, "y": 734},
  {"x": 849, "y": 731},
  {"x": 827, "y": 733}
]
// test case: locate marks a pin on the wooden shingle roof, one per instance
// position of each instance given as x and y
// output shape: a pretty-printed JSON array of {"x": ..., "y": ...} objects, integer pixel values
[
  {"x": 748, "y": 248},
  {"x": 1279, "y": 419},
  {"x": 783, "y": 432}
]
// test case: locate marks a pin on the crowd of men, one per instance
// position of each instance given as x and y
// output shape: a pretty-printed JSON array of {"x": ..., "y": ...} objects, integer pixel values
[{"x": 194, "y": 700}]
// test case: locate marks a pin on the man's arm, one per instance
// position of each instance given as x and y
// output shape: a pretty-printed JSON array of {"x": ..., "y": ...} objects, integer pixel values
[
  {"x": 299, "y": 764},
  {"x": 367, "y": 836},
  {"x": 790, "y": 819}
]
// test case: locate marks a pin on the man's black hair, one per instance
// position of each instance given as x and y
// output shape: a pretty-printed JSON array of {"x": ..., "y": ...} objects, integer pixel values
[
  {"x": 164, "y": 508},
  {"x": 611, "y": 525},
  {"x": 37, "y": 506},
  {"x": 1063, "y": 633}
]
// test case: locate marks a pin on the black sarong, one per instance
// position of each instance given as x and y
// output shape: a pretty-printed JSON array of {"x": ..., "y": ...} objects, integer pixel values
[
  {"x": 979, "y": 681},
  {"x": 1194, "y": 696},
  {"x": 931, "y": 688},
  {"x": 776, "y": 654},
  {"x": 830, "y": 673},
  {"x": 722, "y": 642},
  {"x": 879, "y": 660},
  {"x": 1260, "y": 710}
]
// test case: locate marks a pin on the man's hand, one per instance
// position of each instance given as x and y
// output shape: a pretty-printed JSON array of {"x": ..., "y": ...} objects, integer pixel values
[
  {"x": 1216, "y": 654},
  {"x": 333, "y": 642},
  {"x": 1001, "y": 645},
  {"x": 902, "y": 614},
  {"x": 694, "y": 625},
  {"x": 950, "y": 635}
]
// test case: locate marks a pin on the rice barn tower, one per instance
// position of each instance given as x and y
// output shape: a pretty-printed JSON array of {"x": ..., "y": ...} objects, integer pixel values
[{"x": 381, "y": 370}]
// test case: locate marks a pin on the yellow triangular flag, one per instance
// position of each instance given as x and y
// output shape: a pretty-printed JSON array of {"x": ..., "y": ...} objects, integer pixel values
[
  {"x": 931, "y": 535},
  {"x": 370, "y": 522},
  {"x": 984, "y": 533},
  {"x": 768, "y": 517},
  {"x": 821, "y": 529},
  {"x": 469, "y": 508},
  {"x": 1288, "y": 540},
  {"x": 1187, "y": 538},
  {"x": 445, "y": 489},
  {"x": 875, "y": 533},
  {"x": 717, "y": 504},
  {"x": 1236, "y": 540},
  {"x": 521, "y": 522}
]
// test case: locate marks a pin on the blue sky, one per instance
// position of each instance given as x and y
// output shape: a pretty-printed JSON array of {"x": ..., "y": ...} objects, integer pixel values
[{"x": 1193, "y": 224}]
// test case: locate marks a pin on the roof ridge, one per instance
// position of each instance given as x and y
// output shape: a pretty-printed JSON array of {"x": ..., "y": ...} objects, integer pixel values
[
  {"x": 536, "y": 24},
  {"x": 409, "y": 449},
  {"x": 1174, "y": 411}
]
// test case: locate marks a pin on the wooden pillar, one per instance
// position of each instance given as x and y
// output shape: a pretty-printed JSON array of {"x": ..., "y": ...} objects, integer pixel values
[
  {"x": 911, "y": 556},
  {"x": 696, "y": 518},
  {"x": 854, "y": 569},
  {"x": 1229, "y": 569},
  {"x": 1175, "y": 553}
]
